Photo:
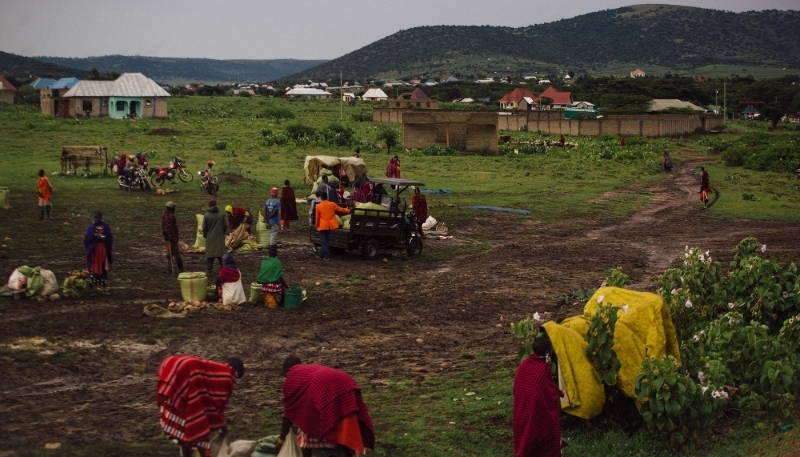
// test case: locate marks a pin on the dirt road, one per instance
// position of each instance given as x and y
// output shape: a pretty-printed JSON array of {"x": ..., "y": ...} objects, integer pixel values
[{"x": 81, "y": 371}]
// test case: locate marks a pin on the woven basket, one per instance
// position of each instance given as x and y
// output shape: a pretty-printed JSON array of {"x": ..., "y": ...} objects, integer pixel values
[{"x": 193, "y": 286}]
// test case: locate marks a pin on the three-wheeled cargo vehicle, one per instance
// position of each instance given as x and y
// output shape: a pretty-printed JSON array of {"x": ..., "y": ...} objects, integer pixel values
[{"x": 391, "y": 227}]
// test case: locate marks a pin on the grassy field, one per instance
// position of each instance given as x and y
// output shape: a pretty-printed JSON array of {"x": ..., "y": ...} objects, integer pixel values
[{"x": 438, "y": 416}]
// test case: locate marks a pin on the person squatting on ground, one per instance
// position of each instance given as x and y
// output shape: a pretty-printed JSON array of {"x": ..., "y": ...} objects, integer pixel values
[
  {"x": 45, "y": 191},
  {"x": 325, "y": 214},
  {"x": 98, "y": 242},
  {"x": 273, "y": 286},
  {"x": 705, "y": 187},
  {"x": 420, "y": 206},
  {"x": 288, "y": 205},
  {"x": 169, "y": 228},
  {"x": 535, "y": 424},
  {"x": 215, "y": 225},
  {"x": 192, "y": 394},
  {"x": 272, "y": 210},
  {"x": 327, "y": 408},
  {"x": 238, "y": 216},
  {"x": 229, "y": 282}
]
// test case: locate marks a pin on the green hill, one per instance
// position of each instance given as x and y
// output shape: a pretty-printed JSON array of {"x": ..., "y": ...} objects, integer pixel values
[
  {"x": 184, "y": 70},
  {"x": 25, "y": 68},
  {"x": 656, "y": 38}
]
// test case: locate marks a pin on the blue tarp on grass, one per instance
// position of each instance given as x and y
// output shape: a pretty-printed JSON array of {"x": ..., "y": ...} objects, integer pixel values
[{"x": 524, "y": 212}]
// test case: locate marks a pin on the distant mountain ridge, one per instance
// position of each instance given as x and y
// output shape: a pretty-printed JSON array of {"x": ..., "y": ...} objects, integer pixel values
[
  {"x": 666, "y": 36},
  {"x": 182, "y": 70},
  {"x": 25, "y": 67}
]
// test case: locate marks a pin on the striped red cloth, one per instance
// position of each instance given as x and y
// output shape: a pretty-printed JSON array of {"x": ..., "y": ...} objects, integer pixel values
[
  {"x": 317, "y": 398},
  {"x": 192, "y": 394},
  {"x": 536, "y": 427}
]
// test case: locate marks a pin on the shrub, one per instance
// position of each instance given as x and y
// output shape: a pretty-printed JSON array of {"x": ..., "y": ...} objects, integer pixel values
[
  {"x": 600, "y": 343},
  {"x": 220, "y": 145},
  {"x": 297, "y": 131},
  {"x": 362, "y": 117}
]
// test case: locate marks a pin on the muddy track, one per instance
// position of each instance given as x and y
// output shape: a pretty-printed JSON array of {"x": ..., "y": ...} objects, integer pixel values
[{"x": 81, "y": 371}]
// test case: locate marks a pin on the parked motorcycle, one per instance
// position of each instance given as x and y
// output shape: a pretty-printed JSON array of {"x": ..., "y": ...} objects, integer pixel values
[
  {"x": 208, "y": 181},
  {"x": 160, "y": 174},
  {"x": 135, "y": 177}
]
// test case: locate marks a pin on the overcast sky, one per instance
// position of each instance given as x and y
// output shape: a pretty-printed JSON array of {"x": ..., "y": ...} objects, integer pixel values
[{"x": 268, "y": 29}]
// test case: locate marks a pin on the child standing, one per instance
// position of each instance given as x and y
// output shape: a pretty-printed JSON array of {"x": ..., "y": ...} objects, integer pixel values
[{"x": 45, "y": 190}]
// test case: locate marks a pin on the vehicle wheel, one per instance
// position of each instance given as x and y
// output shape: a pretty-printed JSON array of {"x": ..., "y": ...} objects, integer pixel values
[
  {"x": 370, "y": 249},
  {"x": 209, "y": 189},
  {"x": 155, "y": 181},
  {"x": 120, "y": 181},
  {"x": 146, "y": 185},
  {"x": 414, "y": 247},
  {"x": 185, "y": 176}
]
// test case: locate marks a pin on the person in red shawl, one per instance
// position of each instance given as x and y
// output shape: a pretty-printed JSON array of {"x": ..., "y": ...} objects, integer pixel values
[
  {"x": 191, "y": 396},
  {"x": 326, "y": 405},
  {"x": 536, "y": 426},
  {"x": 98, "y": 241},
  {"x": 705, "y": 186},
  {"x": 393, "y": 169},
  {"x": 420, "y": 206},
  {"x": 288, "y": 205}
]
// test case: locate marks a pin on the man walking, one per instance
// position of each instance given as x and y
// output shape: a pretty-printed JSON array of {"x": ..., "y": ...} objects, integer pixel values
[
  {"x": 45, "y": 190},
  {"x": 215, "y": 225},
  {"x": 169, "y": 228},
  {"x": 272, "y": 210}
]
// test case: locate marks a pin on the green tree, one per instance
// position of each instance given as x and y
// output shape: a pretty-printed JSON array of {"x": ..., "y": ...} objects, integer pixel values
[
  {"x": 389, "y": 136},
  {"x": 774, "y": 112}
]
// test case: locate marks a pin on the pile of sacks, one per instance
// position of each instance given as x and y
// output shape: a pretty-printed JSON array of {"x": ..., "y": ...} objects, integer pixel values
[
  {"x": 32, "y": 282},
  {"x": 179, "y": 306}
]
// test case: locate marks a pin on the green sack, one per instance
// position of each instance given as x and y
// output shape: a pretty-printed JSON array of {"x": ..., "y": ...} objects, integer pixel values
[
  {"x": 35, "y": 280},
  {"x": 262, "y": 232},
  {"x": 256, "y": 296},
  {"x": 193, "y": 286},
  {"x": 4, "y": 198},
  {"x": 200, "y": 242}
]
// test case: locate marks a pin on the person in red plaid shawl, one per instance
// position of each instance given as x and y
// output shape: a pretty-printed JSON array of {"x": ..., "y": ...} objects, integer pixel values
[
  {"x": 326, "y": 406},
  {"x": 192, "y": 394},
  {"x": 536, "y": 427}
]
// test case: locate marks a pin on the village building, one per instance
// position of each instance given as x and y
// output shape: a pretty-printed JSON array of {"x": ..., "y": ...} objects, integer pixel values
[
  {"x": 513, "y": 99},
  {"x": 348, "y": 96},
  {"x": 7, "y": 91},
  {"x": 307, "y": 92},
  {"x": 485, "y": 81},
  {"x": 582, "y": 105},
  {"x": 451, "y": 79},
  {"x": 130, "y": 95},
  {"x": 461, "y": 130},
  {"x": 50, "y": 98},
  {"x": 42, "y": 83},
  {"x": 416, "y": 94},
  {"x": 638, "y": 73},
  {"x": 374, "y": 94},
  {"x": 560, "y": 100}
]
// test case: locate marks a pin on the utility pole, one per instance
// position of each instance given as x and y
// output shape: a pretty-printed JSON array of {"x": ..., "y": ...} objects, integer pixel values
[
  {"x": 341, "y": 96},
  {"x": 725, "y": 100}
]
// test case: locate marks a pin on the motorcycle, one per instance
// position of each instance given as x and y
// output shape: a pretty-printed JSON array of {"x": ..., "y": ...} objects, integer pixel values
[
  {"x": 134, "y": 177},
  {"x": 160, "y": 174},
  {"x": 208, "y": 181}
]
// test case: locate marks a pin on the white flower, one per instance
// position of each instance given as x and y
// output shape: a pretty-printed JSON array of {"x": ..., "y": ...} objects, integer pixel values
[
  {"x": 730, "y": 305},
  {"x": 536, "y": 317},
  {"x": 688, "y": 303},
  {"x": 696, "y": 337},
  {"x": 701, "y": 376},
  {"x": 604, "y": 283},
  {"x": 763, "y": 248},
  {"x": 681, "y": 278},
  {"x": 691, "y": 251},
  {"x": 719, "y": 394},
  {"x": 701, "y": 257},
  {"x": 703, "y": 389},
  {"x": 791, "y": 320},
  {"x": 703, "y": 332},
  {"x": 624, "y": 309},
  {"x": 707, "y": 253},
  {"x": 674, "y": 292},
  {"x": 600, "y": 299},
  {"x": 785, "y": 294},
  {"x": 686, "y": 247}
]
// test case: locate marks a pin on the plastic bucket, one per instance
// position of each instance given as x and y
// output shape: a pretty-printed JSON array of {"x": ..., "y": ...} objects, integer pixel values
[
  {"x": 294, "y": 296},
  {"x": 256, "y": 296},
  {"x": 193, "y": 286}
]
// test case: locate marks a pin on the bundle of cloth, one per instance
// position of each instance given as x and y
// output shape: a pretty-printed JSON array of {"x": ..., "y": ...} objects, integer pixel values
[
  {"x": 229, "y": 282},
  {"x": 34, "y": 281}
]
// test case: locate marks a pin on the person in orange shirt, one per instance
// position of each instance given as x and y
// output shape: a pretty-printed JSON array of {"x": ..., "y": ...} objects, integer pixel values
[
  {"x": 326, "y": 221},
  {"x": 45, "y": 190}
]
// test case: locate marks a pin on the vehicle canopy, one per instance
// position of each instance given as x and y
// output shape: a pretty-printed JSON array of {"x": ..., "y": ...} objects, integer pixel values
[
  {"x": 352, "y": 166},
  {"x": 400, "y": 185}
]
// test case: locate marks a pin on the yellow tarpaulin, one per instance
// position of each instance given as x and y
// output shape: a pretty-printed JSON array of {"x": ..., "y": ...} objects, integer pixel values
[{"x": 644, "y": 330}]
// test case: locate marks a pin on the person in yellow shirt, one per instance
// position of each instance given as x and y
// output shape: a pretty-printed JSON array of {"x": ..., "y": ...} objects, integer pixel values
[
  {"x": 45, "y": 191},
  {"x": 326, "y": 221}
]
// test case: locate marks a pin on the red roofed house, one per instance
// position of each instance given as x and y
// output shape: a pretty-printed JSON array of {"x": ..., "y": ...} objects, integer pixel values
[
  {"x": 638, "y": 73},
  {"x": 416, "y": 94},
  {"x": 7, "y": 91},
  {"x": 560, "y": 100},
  {"x": 513, "y": 99}
]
